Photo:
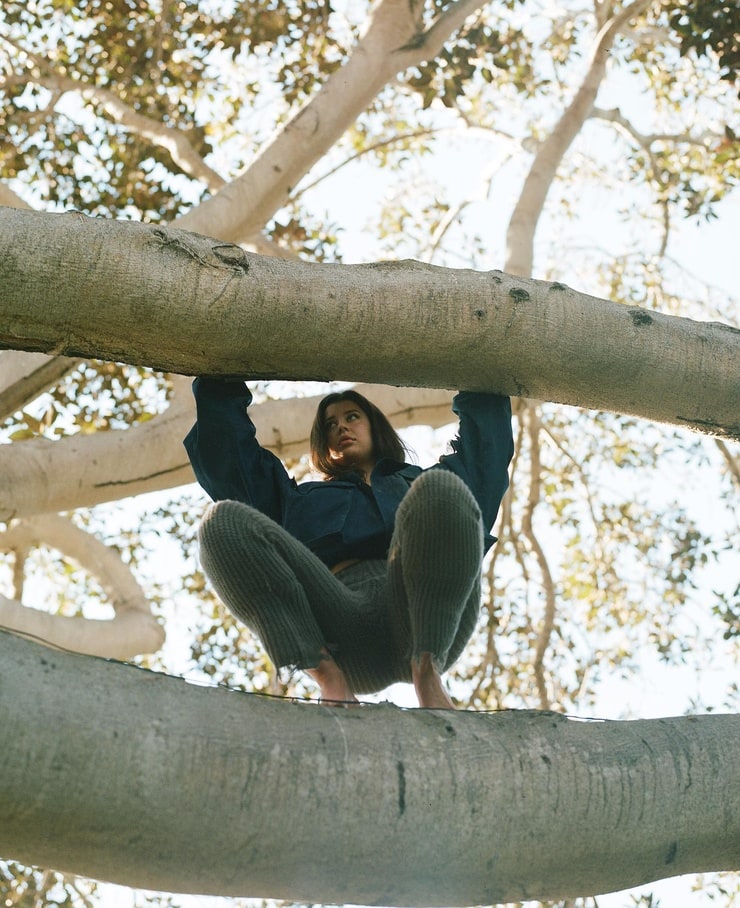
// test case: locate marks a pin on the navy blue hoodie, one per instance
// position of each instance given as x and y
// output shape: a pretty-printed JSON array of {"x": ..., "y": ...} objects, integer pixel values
[{"x": 345, "y": 518}]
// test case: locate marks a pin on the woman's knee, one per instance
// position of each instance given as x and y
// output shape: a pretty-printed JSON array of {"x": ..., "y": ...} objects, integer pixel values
[
  {"x": 228, "y": 522},
  {"x": 439, "y": 494}
]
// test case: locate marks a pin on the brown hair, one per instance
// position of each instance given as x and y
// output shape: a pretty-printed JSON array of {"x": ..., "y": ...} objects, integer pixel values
[{"x": 386, "y": 442}]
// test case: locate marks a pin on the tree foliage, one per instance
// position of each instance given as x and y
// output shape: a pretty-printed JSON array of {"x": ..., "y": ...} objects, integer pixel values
[
  {"x": 710, "y": 27},
  {"x": 577, "y": 145}
]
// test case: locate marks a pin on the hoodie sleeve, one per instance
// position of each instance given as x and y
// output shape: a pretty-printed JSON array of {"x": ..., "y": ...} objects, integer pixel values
[
  {"x": 226, "y": 457},
  {"x": 483, "y": 449}
]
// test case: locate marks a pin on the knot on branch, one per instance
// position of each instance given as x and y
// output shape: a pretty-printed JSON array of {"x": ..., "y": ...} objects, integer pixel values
[{"x": 226, "y": 255}]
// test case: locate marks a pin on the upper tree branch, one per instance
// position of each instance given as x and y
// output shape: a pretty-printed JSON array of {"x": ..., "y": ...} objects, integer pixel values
[
  {"x": 149, "y": 296},
  {"x": 393, "y": 41},
  {"x": 526, "y": 214},
  {"x": 171, "y": 139}
]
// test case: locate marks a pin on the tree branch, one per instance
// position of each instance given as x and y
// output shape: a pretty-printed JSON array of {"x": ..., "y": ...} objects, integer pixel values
[
  {"x": 584, "y": 807},
  {"x": 647, "y": 140},
  {"x": 548, "y": 586},
  {"x": 131, "y": 632},
  {"x": 23, "y": 376},
  {"x": 244, "y": 206},
  {"x": 731, "y": 461},
  {"x": 172, "y": 140},
  {"x": 41, "y": 476},
  {"x": 148, "y": 295},
  {"x": 374, "y": 146},
  {"x": 529, "y": 206},
  {"x": 452, "y": 18},
  {"x": 9, "y": 199}
]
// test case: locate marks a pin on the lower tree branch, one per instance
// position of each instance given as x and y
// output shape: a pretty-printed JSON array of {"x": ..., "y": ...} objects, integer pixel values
[
  {"x": 131, "y": 632},
  {"x": 166, "y": 785}
]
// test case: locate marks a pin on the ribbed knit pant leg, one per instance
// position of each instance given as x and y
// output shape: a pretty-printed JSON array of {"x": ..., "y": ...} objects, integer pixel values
[
  {"x": 434, "y": 568},
  {"x": 285, "y": 594}
]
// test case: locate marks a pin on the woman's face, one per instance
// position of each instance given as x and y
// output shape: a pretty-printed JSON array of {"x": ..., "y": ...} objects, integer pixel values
[{"x": 349, "y": 436}]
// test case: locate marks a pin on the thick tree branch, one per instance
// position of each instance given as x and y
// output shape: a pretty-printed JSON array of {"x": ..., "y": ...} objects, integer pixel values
[
  {"x": 41, "y": 476},
  {"x": 23, "y": 376},
  {"x": 165, "y": 785},
  {"x": 154, "y": 295}
]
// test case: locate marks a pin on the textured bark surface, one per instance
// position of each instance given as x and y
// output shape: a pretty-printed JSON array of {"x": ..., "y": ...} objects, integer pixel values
[
  {"x": 183, "y": 303},
  {"x": 161, "y": 784}
]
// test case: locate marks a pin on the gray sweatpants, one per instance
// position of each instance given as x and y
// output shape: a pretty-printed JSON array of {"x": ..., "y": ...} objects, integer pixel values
[{"x": 374, "y": 616}]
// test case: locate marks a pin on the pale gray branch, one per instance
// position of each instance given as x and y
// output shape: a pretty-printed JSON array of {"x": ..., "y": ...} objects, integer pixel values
[
  {"x": 528, "y": 209},
  {"x": 173, "y": 140},
  {"x": 390, "y": 44},
  {"x": 534, "y": 496},
  {"x": 132, "y": 631},
  {"x": 23, "y": 376},
  {"x": 154, "y": 295},
  {"x": 535, "y": 805},
  {"x": 733, "y": 463}
]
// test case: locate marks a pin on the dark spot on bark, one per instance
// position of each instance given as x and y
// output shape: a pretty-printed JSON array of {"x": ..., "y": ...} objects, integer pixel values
[
  {"x": 519, "y": 294},
  {"x": 450, "y": 731},
  {"x": 640, "y": 318},
  {"x": 233, "y": 256},
  {"x": 479, "y": 313},
  {"x": 401, "y": 788},
  {"x": 546, "y": 759},
  {"x": 671, "y": 856}
]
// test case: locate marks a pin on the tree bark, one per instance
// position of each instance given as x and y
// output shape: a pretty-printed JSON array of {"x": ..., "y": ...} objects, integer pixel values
[
  {"x": 165, "y": 785},
  {"x": 23, "y": 376},
  {"x": 184, "y": 303},
  {"x": 132, "y": 630}
]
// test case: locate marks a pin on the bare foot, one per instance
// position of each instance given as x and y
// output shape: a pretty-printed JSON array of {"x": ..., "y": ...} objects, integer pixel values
[
  {"x": 331, "y": 680},
  {"x": 428, "y": 684}
]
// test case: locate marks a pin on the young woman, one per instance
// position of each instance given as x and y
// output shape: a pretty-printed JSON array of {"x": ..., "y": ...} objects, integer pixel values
[{"x": 370, "y": 576}]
